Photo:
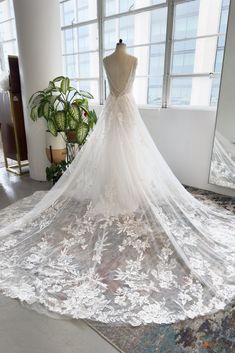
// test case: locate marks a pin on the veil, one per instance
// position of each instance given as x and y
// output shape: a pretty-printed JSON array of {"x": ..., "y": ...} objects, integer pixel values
[
  {"x": 118, "y": 239},
  {"x": 223, "y": 162}
]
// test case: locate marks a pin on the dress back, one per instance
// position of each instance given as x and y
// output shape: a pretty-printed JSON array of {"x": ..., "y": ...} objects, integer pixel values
[{"x": 120, "y": 71}]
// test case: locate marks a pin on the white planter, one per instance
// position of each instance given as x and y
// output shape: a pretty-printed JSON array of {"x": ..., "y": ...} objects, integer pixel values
[{"x": 56, "y": 147}]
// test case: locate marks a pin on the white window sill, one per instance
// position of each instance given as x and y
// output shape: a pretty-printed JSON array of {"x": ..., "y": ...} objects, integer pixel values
[{"x": 171, "y": 107}]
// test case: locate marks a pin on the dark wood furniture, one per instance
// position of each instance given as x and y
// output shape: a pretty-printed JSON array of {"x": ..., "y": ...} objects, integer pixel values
[{"x": 12, "y": 122}]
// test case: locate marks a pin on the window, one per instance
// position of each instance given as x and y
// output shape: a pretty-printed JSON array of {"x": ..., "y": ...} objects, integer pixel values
[
  {"x": 8, "y": 44},
  {"x": 197, "y": 52},
  {"x": 219, "y": 52},
  {"x": 179, "y": 45},
  {"x": 80, "y": 44}
]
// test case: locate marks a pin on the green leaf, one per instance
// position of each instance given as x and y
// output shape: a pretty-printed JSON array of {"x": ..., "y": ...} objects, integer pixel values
[
  {"x": 40, "y": 110},
  {"x": 74, "y": 111},
  {"x": 34, "y": 113},
  {"x": 56, "y": 89},
  {"x": 60, "y": 119},
  {"x": 82, "y": 132},
  {"x": 35, "y": 95},
  {"x": 92, "y": 118},
  {"x": 52, "y": 99},
  {"x": 72, "y": 123},
  {"x": 51, "y": 85},
  {"x": 79, "y": 101},
  {"x": 86, "y": 94},
  {"x": 46, "y": 110},
  {"x": 70, "y": 89},
  {"x": 51, "y": 127},
  {"x": 59, "y": 78},
  {"x": 65, "y": 83}
]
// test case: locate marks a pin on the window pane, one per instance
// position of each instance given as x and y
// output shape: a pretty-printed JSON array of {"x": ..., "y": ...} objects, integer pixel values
[
  {"x": 82, "y": 66},
  {"x": 224, "y": 16},
  {"x": 88, "y": 65},
  {"x": 8, "y": 44},
  {"x": 83, "y": 38},
  {"x": 130, "y": 28},
  {"x": 156, "y": 59},
  {"x": 74, "y": 11},
  {"x": 91, "y": 86},
  {"x": 119, "y": 28},
  {"x": 198, "y": 56},
  {"x": 118, "y": 6},
  {"x": 140, "y": 90},
  {"x": 215, "y": 91},
  {"x": 197, "y": 18},
  {"x": 155, "y": 90},
  {"x": 9, "y": 48},
  {"x": 87, "y": 37},
  {"x": 186, "y": 19},
  {"x": 194, "y": 56},
  {"x": 68, "y": 12},
  {"x": 158, "y": 25},
  {"x": 191, "y": 91},
  {"x": 70, "y": 65},
  {"x": 69, "y": 41},
  {"x": 181, "y": 91},
  {"x": 6, "y": 10},
  {"x": 110, "y": 34},
  {"x": 219, "y": 60},
  {"x": 86, "y": 10},
  {"x": 7, "y": 30}
]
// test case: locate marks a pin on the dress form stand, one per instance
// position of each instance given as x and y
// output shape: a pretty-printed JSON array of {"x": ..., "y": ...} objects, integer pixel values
[{"x": 118, "y": 66}]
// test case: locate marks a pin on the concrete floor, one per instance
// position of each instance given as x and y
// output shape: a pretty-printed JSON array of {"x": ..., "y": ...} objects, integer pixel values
[{"x": 25, "y": 331}]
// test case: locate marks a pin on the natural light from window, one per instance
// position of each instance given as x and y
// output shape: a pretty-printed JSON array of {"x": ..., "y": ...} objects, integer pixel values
[{"x": 179, "y": 45}]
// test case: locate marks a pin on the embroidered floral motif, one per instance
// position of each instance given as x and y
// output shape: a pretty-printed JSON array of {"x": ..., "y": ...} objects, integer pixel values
[{"x": 109, "y": 268}]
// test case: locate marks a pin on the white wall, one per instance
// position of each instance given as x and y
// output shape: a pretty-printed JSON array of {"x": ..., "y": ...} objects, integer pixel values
[
  {"x": 40, "y": 58},
  {"x": 184, "y": 137}
]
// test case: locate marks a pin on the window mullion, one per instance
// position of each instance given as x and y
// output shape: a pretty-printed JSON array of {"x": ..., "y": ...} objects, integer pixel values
[
  {"x": 100, "y": 16},
  {"x": 168, "y": 50}
]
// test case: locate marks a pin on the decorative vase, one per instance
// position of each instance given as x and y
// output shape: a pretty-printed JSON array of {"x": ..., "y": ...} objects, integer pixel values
[
  {"x": 71, "y": 136},
  {"x": 56, "y": 147}
]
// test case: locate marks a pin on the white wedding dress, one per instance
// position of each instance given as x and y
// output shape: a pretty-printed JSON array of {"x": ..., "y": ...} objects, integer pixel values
[
  {"x": 223, "y": 162},
  {"x": 118, "y": 239}
]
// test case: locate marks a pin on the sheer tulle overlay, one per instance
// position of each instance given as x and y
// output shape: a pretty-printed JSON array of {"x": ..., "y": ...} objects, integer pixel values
[
  {"x": 118, "y": 239},
  {"x": 223, "y": 162}
]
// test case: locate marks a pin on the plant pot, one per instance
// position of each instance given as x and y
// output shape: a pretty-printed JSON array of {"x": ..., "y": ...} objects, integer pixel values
[
  {"x": 71, "y": 136},
  {"x": 56, "y": 147}
]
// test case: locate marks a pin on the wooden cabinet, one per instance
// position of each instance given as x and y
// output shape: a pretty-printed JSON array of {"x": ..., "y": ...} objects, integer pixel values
[{"x": 12, "y": 121}]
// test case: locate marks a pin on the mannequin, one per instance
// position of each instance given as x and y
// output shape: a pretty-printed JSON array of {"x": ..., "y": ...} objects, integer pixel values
[{"x": 118, "y": 66}]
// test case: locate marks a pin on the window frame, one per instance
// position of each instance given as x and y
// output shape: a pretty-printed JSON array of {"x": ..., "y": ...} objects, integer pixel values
[
  {"x": 3, "y": 66},
  {"x": 211, "y": 75},
  {"x": 168, "y": 75}
]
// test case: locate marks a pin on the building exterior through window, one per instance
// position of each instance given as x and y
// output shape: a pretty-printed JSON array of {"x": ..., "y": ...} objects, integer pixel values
[{"x": 179, "y": 45}]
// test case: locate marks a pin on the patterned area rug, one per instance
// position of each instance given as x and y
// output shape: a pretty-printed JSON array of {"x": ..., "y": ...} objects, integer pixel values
[{"x": 209, "y": 334}]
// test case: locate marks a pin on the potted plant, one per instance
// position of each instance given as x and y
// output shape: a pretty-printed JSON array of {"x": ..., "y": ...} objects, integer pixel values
[{"x": 69, "y": 119}]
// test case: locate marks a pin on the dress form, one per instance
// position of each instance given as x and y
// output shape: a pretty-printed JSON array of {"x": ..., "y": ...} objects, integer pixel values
[{"x": 118, "y": 66}]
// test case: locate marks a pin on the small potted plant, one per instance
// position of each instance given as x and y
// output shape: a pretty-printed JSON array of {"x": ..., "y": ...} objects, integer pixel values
[{"x": 69, "y": 119}]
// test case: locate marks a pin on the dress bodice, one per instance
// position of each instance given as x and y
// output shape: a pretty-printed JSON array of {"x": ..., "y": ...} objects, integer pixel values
[{"x": 120, "y": 71}]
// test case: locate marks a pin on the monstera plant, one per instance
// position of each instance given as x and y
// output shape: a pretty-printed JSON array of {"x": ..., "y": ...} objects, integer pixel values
[{"x": 68, "y": 117}]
